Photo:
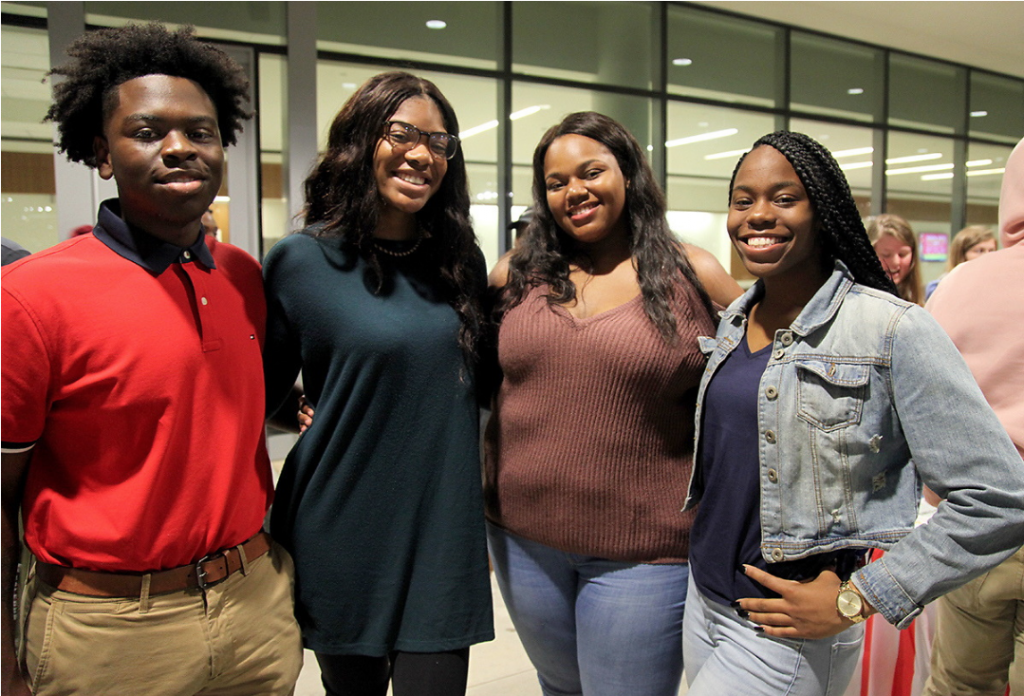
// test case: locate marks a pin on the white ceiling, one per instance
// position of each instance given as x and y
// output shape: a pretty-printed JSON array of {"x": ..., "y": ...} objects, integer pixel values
[{"x": 983, "y": 34}]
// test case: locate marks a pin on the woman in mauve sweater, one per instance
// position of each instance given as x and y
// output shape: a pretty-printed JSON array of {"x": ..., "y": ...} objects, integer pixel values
[{"x": 591, "y": 438}]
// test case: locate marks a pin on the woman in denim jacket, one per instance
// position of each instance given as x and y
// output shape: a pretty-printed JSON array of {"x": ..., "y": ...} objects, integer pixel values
[{"x": 821, "y": 387}]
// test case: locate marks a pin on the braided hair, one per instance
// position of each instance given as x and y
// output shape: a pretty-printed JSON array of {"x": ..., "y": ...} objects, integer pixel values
[
  {"x": 545, "y": 250},
  {"x": 842, "y": 231},
  {"x": 104, "y": 59}
]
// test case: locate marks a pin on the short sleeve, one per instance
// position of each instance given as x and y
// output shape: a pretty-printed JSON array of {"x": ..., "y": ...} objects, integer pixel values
[{"x": 26, "y": 375}]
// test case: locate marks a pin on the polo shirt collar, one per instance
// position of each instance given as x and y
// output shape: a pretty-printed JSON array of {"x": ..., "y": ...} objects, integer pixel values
[{"x": 131, "y": 243}]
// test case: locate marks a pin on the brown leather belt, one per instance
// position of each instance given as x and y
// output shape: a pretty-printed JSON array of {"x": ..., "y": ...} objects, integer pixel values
[{"x": 206, "y": 572}]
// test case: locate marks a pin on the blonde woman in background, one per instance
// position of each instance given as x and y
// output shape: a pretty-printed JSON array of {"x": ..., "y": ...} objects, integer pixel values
[
  {"x": 896, "y": 246},
  {"x": 968, "y": 244}
]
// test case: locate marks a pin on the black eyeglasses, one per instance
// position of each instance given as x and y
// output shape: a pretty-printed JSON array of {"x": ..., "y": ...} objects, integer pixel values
[{"x": 405, "y": 136}]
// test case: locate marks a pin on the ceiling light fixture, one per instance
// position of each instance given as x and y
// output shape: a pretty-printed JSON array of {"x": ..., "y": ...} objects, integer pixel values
[
  {"x": 855, "y": 165},
  {"x": 436, "y": 24},
  {"x": 978, "y": 114},
  {"x": 855, "y": 90},
  {"x": 916, "y": 170},
  {"x": 528, "y": 111},
  {"x": 853, "y": 152},
  {"x": 936, "y": 177},
  {"x": 914, "y": 158},
  {"x": 726, "y": 155},
  {"x": 713, "y": 135},
  {"x": 987, "y": 172},
  {"x": 979, "y": 163},
  {"x": 682, "y": 61},
  {"x": 470, "y": 132}
]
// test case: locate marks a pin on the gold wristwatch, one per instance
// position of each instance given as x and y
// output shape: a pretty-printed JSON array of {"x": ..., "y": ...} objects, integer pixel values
[{"x": 850, "y": 604}]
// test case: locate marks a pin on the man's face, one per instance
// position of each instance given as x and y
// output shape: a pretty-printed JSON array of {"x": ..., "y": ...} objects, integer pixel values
[{"x": 162, "y": 146}]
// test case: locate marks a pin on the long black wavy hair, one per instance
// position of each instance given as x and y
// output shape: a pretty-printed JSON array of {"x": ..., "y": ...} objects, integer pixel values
[
  {"x": 342, "y": 198},
  {"x": 106, "y": 58},
  {"x": 841, "y": 230},
  {"x": 545, "y": 250}
]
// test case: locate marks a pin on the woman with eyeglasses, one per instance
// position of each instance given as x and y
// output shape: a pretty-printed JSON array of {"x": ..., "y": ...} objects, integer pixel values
[{"x": 376, "y": 303}]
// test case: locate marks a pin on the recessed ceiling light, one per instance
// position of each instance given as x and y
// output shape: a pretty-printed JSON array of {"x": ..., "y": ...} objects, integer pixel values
[
  {"x": 978, "y": 114},
  {"x": 436, "y": 24},
  {"x": 682, "y": 61},
  {"x": 855, "y": 90}
]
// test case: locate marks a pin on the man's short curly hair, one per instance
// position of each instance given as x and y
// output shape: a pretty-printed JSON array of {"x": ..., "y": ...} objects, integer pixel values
[{"x": 104, "y": 59}]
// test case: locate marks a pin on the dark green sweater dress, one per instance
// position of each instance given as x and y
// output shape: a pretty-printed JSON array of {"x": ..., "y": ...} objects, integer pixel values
[{"x": 380, "y": 501}]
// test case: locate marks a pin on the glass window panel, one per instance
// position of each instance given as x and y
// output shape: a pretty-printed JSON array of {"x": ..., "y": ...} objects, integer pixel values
[
  {"x": 997, "y": 107},
  {"x": 926, "y": 94},
  {"x": 617, "y": 46},
  {"x": 470, "y": 35},
  {"x": 852, "y": 148},
  {"x": 253, "y": 22},
  {"x": 835, "y": 78},
  {"x": 29, "y": 210},
  {"x": 699, "y": 67},
  {"x": 544, "y": 106},
  {"x": 921, "y": 190},
  {"x": 704, "y": 143},
  {"x": 273, "y": 196},
  {"x": 985, "y": 167}
]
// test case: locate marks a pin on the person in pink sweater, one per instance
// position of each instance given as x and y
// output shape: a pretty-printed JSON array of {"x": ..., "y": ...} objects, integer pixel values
[
  {"x": 591, "y": 439},
  {"x": 979, "y": 640}
]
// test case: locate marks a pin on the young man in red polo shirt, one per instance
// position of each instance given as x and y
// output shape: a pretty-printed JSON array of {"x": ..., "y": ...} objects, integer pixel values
[{"x": 133, "y": 402}]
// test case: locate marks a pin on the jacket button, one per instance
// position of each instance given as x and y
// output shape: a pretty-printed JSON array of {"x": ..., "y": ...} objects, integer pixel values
[
  {"x": 769, "y": 436},
  {"x": 787, "y": 338},
  {"x": 771, "y": 392},
  {"x": 779, "y": 354},
  {"x": 773, "y": 476},
  {"x": 777, "y": 555}
]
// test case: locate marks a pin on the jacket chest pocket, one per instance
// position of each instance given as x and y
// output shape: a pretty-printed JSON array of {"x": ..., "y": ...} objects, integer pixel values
[{"x": 831, "y": 394}]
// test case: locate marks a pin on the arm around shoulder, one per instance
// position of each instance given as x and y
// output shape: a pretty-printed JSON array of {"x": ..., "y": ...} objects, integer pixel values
[{"x": 720, "y": 286}]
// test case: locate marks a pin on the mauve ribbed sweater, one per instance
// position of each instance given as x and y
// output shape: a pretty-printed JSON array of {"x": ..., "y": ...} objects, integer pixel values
[{"x": 590, "y": 445}]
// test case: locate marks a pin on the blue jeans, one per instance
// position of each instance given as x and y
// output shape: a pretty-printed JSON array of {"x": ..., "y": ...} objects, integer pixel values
[
  {"x": 724, "y": 655},
  {"x": 590, "y": 625}
]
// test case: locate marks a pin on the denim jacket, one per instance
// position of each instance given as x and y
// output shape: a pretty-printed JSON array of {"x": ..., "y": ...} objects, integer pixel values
[{"x": 859, "y": 385}]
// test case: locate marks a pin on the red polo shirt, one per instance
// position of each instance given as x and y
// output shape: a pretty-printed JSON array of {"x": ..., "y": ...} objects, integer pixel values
[{"x": 133, "y": 370}]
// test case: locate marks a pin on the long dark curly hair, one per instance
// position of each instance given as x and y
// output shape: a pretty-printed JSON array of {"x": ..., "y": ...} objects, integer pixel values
[
  {"x": 342, "y": 199},
  {"x": 842, "y": 231},
  {"x": 545, "y": 252},
  {"x": 106, "y": 58}
]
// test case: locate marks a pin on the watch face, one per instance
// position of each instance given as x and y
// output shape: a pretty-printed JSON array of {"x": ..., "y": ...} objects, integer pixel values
[{"x": 849, "y": 603}]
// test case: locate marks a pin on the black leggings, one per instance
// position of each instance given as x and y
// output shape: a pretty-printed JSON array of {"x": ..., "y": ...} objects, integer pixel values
[{"x": 410, "y": 674}]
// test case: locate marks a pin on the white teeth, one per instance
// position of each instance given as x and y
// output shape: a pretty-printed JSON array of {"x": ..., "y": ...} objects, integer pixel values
[
  {"x": 760, "y": 242},
  {"x": 412, "y": 179},
  {"x": 584, "y": 209}
]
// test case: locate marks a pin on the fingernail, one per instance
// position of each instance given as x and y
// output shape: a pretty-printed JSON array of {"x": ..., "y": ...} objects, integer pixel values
[
  {"x": 742, "y": 568},
  {"x": 735, "y": 605},
  {"x": 743, "y": 613},
  {"x": 758, "y": 629}
]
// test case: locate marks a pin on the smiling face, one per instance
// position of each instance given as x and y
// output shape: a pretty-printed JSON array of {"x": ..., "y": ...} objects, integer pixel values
[
  {"x": 162, "y": 146},
  {"x": 897, "y": 257},
  {"x": 980, "y": 249},
  {"x": 771, "y": 221},
  {"x": 586, "y": 190},
  {"x": 407, "y": 179}
]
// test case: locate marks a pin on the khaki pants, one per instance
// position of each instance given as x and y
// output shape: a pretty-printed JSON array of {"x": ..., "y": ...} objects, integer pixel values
[
  {"x": 979, "y": 638},
  {"x": 238, "y": 638}
]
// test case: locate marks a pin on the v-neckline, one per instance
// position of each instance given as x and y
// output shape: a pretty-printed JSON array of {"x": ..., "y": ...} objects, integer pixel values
[{"x": 578, "y": 321}]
